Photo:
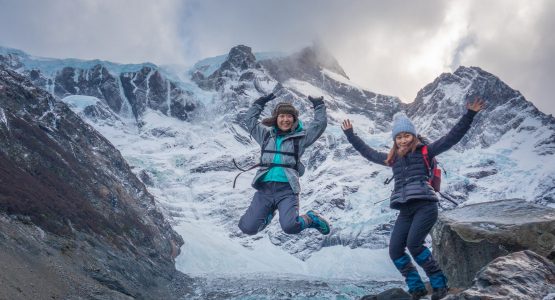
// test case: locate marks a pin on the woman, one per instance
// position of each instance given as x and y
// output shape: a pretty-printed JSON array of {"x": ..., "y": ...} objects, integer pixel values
[
  {"x": 414, "y": 196},
  {"x": 283, "y": 139}
]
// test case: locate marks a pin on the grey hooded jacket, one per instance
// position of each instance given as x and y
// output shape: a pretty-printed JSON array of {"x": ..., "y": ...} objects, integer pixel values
[{"x": 307, "y": 136}]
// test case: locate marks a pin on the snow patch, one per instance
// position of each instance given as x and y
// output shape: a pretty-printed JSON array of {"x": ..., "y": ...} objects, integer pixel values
[
  {"x": 214, "y": 253},
  {"x": 3, "y": 118},
  {"x": 305, "y": 88},
  {"x": 78, "y": 103}
]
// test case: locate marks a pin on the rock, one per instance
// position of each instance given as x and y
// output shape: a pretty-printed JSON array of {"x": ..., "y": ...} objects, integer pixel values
[
  {"x": 519, "y": 275},
  {"x": 478, "y": 233},
  {"x": 391, "y": 294},
  {"x": 93, "y": 218},
  {"x": 481, "y": 174}
]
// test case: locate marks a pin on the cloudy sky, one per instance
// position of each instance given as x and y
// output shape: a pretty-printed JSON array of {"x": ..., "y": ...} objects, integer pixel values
[{"x": 390, "y": 47}]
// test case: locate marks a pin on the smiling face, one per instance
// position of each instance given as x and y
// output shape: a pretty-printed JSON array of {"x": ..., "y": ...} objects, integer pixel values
[
  {"x": 285, "y": 121},
  {"x": 404, "y": 140}
]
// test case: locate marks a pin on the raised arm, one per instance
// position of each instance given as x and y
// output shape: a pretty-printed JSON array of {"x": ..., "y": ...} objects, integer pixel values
[
  {"x": 315, "y": 128},
  {"x": 366, "y": 151},
  {"x": 256, "y": 130},
  {"x": 458, "y": 131}
]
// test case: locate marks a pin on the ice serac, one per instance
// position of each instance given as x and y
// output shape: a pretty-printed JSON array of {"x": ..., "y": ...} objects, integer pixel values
[
  {"x": 519, "y": 275},
  {"x": 71, "y": 208},
  {"x": 478, "y": 233}
]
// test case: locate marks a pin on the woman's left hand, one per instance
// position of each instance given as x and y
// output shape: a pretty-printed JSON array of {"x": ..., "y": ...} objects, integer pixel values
[{"x": 476, "y": 105}]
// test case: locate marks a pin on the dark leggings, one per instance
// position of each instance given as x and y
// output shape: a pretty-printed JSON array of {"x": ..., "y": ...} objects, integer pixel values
[{"x": 413, "y": 224}]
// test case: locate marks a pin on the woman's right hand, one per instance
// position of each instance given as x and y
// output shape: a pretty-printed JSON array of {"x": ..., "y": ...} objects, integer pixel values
[
  {"x": 347, "y": 125},
  {"x": 477, "y": 105},
  {"x": 265, "y": 99}
]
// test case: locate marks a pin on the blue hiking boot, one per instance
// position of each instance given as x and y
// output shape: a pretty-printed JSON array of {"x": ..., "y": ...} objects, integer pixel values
[
  {"x": 438, "y": 281},
  {"x": 417, "y": 289},
  {"x": 418, "y": 294},
  {"x": 318, "y": 222},
  {"x": 440, "y": 293}
]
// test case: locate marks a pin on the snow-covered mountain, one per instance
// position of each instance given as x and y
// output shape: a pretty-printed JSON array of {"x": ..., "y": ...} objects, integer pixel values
[
  {"x": 180, "y": 131},
  {"x": 508, "y": 149},
  {"x": 127, "y": 89}
]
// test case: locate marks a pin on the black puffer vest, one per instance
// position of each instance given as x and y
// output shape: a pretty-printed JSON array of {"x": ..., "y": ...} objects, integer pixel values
[{"x": 411, "y": 179}]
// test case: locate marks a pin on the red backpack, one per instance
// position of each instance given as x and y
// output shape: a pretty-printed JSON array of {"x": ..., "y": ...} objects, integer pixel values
[{"x": 433, "y": 170}]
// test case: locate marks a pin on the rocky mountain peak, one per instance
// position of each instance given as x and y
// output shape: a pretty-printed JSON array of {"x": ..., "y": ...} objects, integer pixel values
[
  {"x": 506, "y": 109},
  {"x": 240, "y": 57},
  {"x": 306, "y": 65}
]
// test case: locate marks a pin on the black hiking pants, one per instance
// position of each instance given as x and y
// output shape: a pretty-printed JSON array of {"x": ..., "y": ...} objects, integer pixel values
[{"x": 413, "y": 224}]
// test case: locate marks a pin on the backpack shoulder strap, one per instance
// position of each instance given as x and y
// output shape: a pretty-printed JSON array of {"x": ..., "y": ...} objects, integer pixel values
[
  {"x": 295, "y": 153},
  {"x": 265, "y": 142},
  {"x": 296, "y": 142},
  {"x": 426, "y": 157}
]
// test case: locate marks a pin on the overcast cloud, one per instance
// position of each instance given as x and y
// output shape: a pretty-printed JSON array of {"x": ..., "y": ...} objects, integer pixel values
[{"x": 389, "y": 47}]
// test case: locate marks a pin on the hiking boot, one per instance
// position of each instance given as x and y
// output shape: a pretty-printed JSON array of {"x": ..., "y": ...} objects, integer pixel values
[
  {"x": 439, "y": 293},
  {"x": 316, "y": 221},
  {"x": 438, "y": 281},
  {"x": 418, "y": 294}
]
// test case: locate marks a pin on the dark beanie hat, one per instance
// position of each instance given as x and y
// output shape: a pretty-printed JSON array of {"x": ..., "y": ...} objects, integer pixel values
[{"x": 282, "y": 108}]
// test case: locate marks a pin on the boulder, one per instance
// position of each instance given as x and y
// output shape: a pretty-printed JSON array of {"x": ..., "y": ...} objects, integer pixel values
[
  {"x": 391, "y": 294},
  {"x": 467, "y": 238},
  {"x": 519, "y": 275}
]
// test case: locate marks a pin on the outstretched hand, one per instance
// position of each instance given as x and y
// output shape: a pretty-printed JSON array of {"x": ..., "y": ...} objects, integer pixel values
[
  {"x": 476, "y": 105},
  {"x": 347, "y": 125},
  {"x": 312, "y": 99},
  {"x": 265, "y": 99},
  {"x": 316, "y": 101}
]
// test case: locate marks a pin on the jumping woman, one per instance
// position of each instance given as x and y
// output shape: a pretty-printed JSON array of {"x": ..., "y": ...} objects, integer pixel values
[
  {"x": 283, "y": 139},
  {"x": 414, "y": 196}
]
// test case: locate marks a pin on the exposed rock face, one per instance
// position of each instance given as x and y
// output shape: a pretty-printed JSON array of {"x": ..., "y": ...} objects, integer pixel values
[
  {"x": 467, "y": 238},
  {"x": 240, "y": 65},
  {"x": 66, "y": 183},
  {"x": 520, "y": 275},
  {"x": 127, "y": 91},
  {"x": 438, "y": 105}
]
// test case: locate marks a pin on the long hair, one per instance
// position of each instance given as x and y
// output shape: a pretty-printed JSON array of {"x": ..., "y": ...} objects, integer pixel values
[{"x": 396, "y": 152}]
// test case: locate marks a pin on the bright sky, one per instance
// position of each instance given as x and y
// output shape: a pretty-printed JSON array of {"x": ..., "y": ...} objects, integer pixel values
[{"x": 390, "y": 47}]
